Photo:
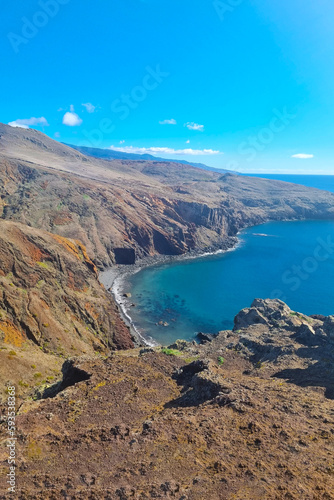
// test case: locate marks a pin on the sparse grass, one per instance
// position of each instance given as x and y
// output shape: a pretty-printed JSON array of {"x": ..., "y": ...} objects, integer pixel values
[
  {"x": 191, "y": 359},
  {"x": 34, "y": 451},
  {"x": 221, "y": 360},
  {"x": 101, "y": 384},
  {"x": 23, "y": 384},
  {"x": 302, "y": 317},
  {"x": 12, "y": 353},
  {"x": 43, "y": 264},
  {"x": 171, "y": 352},
  {"x": 37, "y": 375}
]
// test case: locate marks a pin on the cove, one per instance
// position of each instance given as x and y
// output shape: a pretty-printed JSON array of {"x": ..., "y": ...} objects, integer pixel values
[{"x": 292, "y": 261}]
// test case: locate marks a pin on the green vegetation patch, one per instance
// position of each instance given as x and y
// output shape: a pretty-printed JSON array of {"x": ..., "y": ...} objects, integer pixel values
[
  {"x": 43, "y": 264},
  {"x": 171, "y": 352},
  {"x": 191, "y": 359},
  {"x": 40, "y": 283},
  {"x": 302, "y": 317},
  {"x": 221, "y": 360}
]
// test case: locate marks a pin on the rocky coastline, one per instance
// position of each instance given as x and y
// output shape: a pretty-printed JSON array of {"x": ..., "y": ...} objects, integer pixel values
[{"x": 113, "y": 279}]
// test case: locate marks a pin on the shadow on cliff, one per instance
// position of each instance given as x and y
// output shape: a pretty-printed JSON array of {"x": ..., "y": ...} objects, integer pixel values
[
  {"x": 199, "y": 385},
  {"x": 316, "y": 359},
  {"x": 318, "y": 374}
]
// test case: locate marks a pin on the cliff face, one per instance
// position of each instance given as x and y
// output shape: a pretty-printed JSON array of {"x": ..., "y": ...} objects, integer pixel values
[
  {"x": 146, "y": 206},
  {"x": 51, "y": 302},
  {"x": 246, "y": 415}
]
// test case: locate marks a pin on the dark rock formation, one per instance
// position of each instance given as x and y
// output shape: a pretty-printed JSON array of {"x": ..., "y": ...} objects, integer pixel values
[
  {"x": 125, "y": 256},
  {"x": 204, "y": 337}
]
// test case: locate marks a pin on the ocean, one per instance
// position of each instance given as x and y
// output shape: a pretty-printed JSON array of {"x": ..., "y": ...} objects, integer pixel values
[
  {"x": 292, "y": 261},
  {"x": 325, "y": 182}
]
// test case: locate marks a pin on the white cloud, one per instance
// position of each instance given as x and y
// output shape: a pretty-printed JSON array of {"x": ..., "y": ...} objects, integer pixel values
[
  {"x": 25, "y": 123},
  {"x": 302, "y": 156},
  {"x": 169, "y": 151},
  {"x": 89, "y": 107},
  {"x": 121, "y": 142},
  {"x": 57, "y": 135},
  {"x": 16, "y": 124},
  {"x": 168, "y": 122},
  {"x": 188, "y": 142},
  {"x": 71, "y": 119},
  {"x": 194, "y": 126}
]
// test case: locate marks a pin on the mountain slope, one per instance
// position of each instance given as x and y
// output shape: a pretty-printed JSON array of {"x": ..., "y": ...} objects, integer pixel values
[
  {"x": 51, "y": 303},
  {"x": 145, "y": 207},
  {"x": 111, "y": 154}
]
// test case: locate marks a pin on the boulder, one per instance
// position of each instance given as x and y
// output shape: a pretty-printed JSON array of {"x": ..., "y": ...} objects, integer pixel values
[
  {"x": 270, "y": 312},
  {"x": 202, "y": 338},
  {"x": 247, "y": 317},
  {"x": 179, "y": 345}
]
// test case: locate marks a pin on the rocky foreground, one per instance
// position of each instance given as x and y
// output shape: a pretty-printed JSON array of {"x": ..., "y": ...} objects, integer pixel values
[{"x": 248, "y": 414}]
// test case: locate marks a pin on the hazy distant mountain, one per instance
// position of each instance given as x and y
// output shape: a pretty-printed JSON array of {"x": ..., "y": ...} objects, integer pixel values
[{"x": 111, "y": 154}]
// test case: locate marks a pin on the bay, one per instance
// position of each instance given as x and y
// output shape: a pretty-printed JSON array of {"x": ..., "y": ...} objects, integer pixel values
[{"x": 292, "y": 261}]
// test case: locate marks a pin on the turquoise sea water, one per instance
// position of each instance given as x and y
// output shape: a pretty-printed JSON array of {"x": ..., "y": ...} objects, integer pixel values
[{"x": 293, "y": 261}]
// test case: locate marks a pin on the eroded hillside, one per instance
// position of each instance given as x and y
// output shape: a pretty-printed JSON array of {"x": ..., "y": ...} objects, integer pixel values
[
  {"x": 146, "y": 207},
  {"x": 51, "y": 305}
]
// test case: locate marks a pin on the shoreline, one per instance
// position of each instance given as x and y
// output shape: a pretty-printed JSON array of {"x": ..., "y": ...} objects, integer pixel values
[{"x": 113, "y": 279}]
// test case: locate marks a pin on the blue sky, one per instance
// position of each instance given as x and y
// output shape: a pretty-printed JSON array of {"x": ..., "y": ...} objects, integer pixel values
[{"x": 240, "y": 84}]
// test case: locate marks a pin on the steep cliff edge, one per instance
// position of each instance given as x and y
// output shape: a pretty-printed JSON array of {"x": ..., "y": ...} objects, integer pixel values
[
  {"x": 51, "y": 304},
  {"x": 248, "y": 415}
]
